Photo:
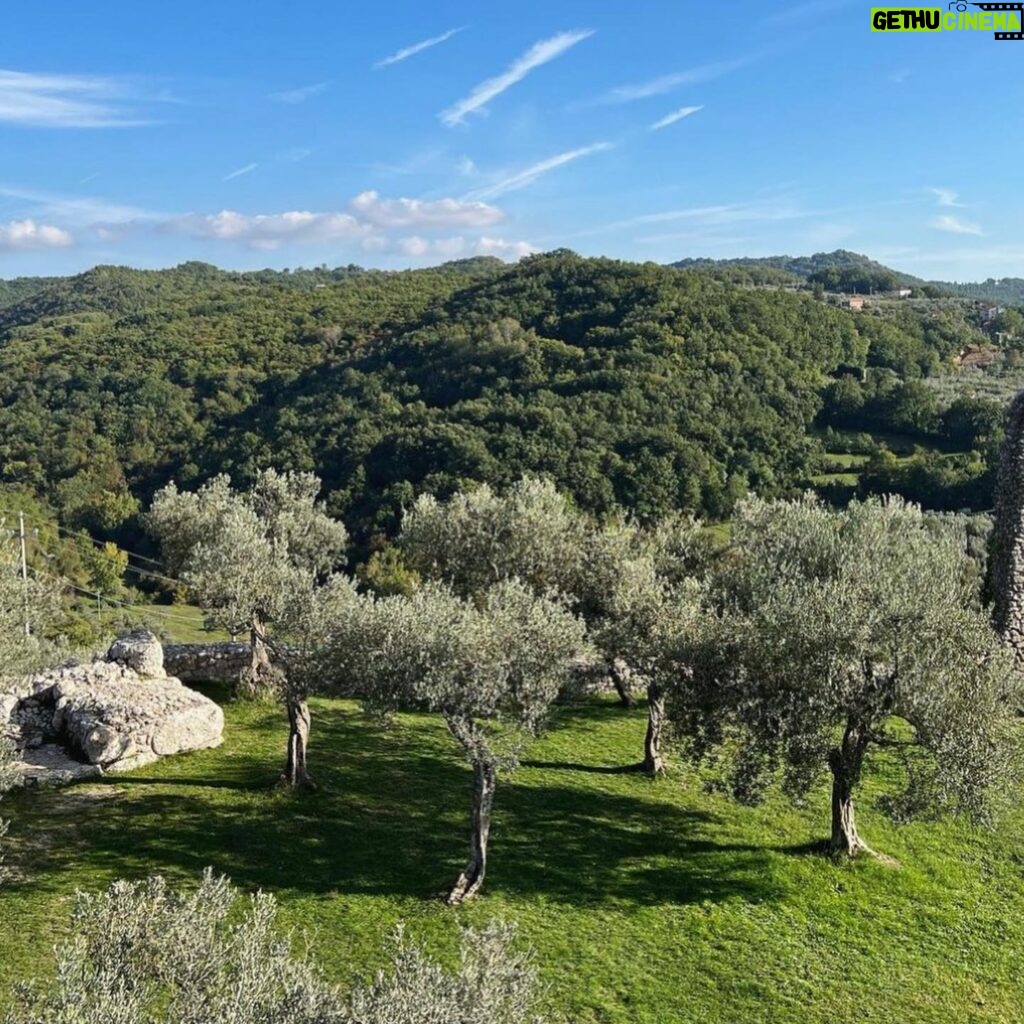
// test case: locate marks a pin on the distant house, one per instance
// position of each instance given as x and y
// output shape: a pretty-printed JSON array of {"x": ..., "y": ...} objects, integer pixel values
[
  {"x": 855, "y": 302},
  {"x": 904, "y": 293},
  {"x": 989, "y": 313},
  {"x": 973, "y": 355}
]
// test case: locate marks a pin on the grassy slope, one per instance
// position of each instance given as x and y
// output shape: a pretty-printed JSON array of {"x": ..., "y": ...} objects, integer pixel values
[{"x": 646, "y": 901}]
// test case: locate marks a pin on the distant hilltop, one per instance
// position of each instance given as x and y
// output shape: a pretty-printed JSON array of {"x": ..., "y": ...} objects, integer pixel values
[{"x": 853, "y": 272}]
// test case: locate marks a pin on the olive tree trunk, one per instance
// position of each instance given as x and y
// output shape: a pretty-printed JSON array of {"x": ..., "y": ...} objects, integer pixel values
[
  {"x": 485, "y": 780},
  {"x": 299, "y": 722},
  {"x": 845, "y": 762},
  {"x": 254, "y": 680},
  {"x": 654, "y": 763},
  {"x": 622, "y": 680}
]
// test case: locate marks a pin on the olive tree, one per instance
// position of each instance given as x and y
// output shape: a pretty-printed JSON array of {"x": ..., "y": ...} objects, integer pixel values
[
  {"x": 491, "y": 667},
  {"x": 254, "y": 561},
  {"x": 837, "y": 633},
  {"x": 625, "y": 581},
  {"x": 145, "y": 953}
]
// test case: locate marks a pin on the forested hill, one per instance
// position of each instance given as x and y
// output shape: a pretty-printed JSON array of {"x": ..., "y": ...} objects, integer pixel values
[
  {"x": 630, "y": 384},
  {"x": 847, "y": 271}
]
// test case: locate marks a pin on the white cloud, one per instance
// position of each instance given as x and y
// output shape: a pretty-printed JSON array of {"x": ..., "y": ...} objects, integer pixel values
[
  {"x": 467, "y": 168},
  {"x": 418, "y": 247},
  {"x": 666, "y": 83},
  {"x": 538, "y": 54},
  {"x": 945, "y": 196},
  {"x": 409, "y": 51},
  {"x": 499, "y": 247},
  {"x": 270, "y": 230},
  {"x": 295, "y": 154},
  {"x": 64, "y": 101},
  {"x": 532, "y": 173},
  {"x": 676, "y": 115},
  {"x": 956, "y": 225},
  {"x": 247, "y": 169},
  {"x": 27, "y": 234},
  {"x": 303, "y": 92},
  {"x": 400, "y": 213}
]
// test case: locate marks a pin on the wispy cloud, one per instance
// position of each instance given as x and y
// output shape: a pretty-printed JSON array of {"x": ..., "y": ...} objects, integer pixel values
[
  {"x": 676, "y": 115},
  {"x": 667, "y": 83},
  {"x": 400, "y": 213},
  {"x": 538, "y": 54},
  {"x": 303, "y": 92},
  {"x": 955, "y": 225},
  {"x": 535, "y": 171},
  {"x": 80, "y": 211},
  {"x": 945, "y": 196},
  {"x": 65, "y": 101},
  {"x": 295, "y": 154},
  {"x": 27, "y": 234},
  {"x": 771, "y": 210},
  {"x": 410, "y": 51},
  {"x": 247, "y": 169}
]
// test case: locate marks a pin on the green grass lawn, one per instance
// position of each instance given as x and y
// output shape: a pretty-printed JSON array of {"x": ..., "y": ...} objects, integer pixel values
[{"x": 646, "y": 901}]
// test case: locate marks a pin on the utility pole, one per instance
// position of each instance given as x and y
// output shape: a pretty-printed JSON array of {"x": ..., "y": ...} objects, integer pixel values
[{"x": 24, "y": 569}]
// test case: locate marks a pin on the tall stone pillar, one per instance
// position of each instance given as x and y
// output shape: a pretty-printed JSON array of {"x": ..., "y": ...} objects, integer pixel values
[{"x": 1006, "y": 560}]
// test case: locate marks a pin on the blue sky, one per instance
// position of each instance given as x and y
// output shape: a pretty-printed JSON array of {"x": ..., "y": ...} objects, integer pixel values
[{"x": 400, "y": 134}]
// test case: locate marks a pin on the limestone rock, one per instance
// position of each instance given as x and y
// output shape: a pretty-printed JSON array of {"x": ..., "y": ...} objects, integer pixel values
[
  {"x": 118, "y": 719},
  {"x": 140, "y": 651},
  {"x": 106, "y": 715}
]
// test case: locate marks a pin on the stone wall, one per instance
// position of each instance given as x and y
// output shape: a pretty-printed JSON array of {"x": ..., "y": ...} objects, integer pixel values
[{"x": 207, "y": 663}]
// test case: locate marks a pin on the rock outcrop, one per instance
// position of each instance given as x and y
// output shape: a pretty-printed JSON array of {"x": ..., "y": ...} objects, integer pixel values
[{"x": 113, "y": 714}]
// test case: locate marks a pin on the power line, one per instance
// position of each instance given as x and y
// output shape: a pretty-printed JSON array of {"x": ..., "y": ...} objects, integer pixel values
[
  {"x": 113, "y": 600},
  {"x": 82, "y": 535}
]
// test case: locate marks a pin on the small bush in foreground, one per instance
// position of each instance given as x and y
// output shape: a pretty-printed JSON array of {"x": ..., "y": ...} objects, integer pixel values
[{"x": 144, "y": 953}]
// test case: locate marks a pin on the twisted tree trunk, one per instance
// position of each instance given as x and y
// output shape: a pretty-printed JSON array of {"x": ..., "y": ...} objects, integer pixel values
[
  {"x": 845, "y": 763},
  {"x": 622, "y": 679},
  {"x": 654, "y": 763},
  {"x": 255, "y": 679},
  {"x": 485, "y": 781},
  {"x": 299, "y": 723}
]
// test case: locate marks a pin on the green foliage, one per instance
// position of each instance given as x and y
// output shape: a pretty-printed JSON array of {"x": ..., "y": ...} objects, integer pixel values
[
  {"x": 386, "y": 574},
  {"x": 863, "y": 623},
  {"x": 145, "y": 953},
  {"x": 247, "y": 555},
  {"x": 628, "y": 385}
]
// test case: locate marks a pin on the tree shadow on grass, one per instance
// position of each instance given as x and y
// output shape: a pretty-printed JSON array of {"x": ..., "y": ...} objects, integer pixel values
[{"x": 391, "y": 819}]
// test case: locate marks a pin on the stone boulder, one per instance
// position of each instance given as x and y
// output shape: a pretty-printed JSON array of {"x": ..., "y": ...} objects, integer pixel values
[
  {"x": 121, "y": 720},
  {"x": 108, "y": 715},
  {"x": 140, "y": 651}
]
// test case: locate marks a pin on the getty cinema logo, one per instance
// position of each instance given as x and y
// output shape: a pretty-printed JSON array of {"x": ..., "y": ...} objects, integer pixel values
[{"x": 1005, "y": 20}]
